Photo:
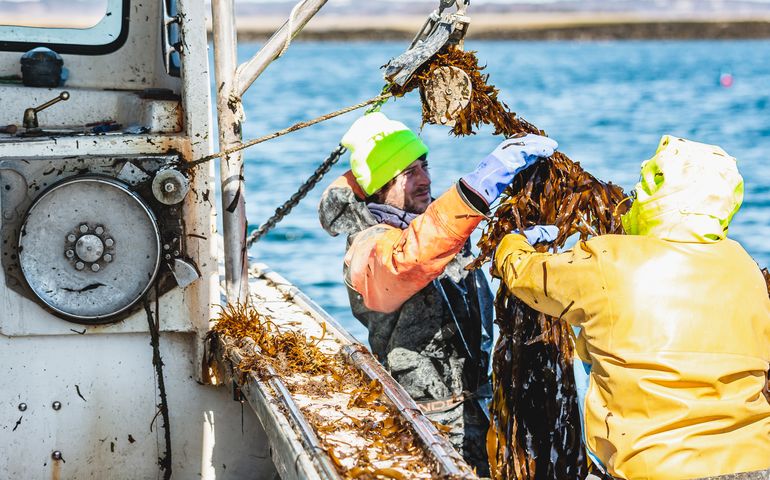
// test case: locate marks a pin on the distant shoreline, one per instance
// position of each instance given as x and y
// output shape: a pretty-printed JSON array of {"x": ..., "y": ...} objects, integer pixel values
[
  {"x": 518, "y": 27},
  {"x": 503, "y": 26}
]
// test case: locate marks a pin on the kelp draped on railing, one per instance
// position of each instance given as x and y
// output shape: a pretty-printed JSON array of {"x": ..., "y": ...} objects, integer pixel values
[{"x": 536, "y": 430}]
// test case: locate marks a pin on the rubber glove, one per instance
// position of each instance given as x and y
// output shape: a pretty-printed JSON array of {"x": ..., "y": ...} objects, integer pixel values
[
  {"x": 535, "y": 234},
  {"x": 497, "y": 170},
  {"x": 540, "y": 233}
]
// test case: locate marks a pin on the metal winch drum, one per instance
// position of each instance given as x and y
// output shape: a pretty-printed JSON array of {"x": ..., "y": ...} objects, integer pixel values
[{"x": 89, "y": 248}]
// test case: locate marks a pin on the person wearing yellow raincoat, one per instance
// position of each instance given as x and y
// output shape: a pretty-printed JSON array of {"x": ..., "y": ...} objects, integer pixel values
[{"x": 673, "y": 323}]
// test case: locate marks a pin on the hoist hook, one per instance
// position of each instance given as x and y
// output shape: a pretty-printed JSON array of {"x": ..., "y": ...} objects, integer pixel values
[
  {"x": 440, "y": 29},
  {"x": 461, "y": 5}
]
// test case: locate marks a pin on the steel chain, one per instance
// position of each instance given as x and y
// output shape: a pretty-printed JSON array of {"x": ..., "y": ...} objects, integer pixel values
[
  {"x": 292, "y": 202},
  {"x": 310, "y": 183}
]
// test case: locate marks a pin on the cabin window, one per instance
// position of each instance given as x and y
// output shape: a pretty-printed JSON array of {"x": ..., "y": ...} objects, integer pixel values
[{"x": 74, "y": 26}]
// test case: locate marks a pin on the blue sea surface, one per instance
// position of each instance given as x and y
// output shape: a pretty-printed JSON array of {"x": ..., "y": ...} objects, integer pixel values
[{"x": 606, "y": 103}]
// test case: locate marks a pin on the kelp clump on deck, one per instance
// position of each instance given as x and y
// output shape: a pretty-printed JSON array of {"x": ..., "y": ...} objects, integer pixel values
[
  {"x": 286, "y": 352},
  {"x": 307, "y": 371},
  {"x": 535, "y": 431}
]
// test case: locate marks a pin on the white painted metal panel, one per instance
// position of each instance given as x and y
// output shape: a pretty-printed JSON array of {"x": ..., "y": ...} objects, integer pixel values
[
  {"x": 86, "y": 106},
  {"x": 106, "y": 387},
  {"x": 136, "y": 65}
]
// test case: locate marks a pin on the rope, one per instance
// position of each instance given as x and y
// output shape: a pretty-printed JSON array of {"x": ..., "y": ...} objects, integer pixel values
[
  {"x": 316, "y": 177},
  {"x": 292, "y": 202},
  {"x": 384, "y": 96},
  {"x": 293, "y": 128},
  {"x": 288, "y": 32},
  {"x": 154, "y": 326}
]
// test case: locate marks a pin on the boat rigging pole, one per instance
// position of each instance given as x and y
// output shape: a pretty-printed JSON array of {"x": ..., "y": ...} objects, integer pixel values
[{"x": 231, "y": 82}]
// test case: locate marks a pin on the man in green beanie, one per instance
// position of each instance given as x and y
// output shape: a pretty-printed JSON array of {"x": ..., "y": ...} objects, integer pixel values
[{"x": 429, "y": 319}]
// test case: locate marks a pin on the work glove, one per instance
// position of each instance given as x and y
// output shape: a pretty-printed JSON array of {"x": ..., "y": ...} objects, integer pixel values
[
  {"x": 497, "y": 170},
  {"x": 540, "y": 233},
  {"x": 535, "y": 234}
]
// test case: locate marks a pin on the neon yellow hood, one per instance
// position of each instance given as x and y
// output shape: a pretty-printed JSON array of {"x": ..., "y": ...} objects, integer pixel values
[{"x": 687, "y": 192}]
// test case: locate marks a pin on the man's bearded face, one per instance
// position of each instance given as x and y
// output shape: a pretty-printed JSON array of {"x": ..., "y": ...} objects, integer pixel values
[{"x": 410, "y": 190}]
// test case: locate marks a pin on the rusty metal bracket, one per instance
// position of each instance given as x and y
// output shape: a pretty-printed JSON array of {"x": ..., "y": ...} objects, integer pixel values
[{"x": 441, "y": 28}]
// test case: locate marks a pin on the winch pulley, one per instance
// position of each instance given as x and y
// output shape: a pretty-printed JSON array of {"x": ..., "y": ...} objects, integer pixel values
[
  {"x": 91, "y": 245},
  {"x": 103, "y": 265}
]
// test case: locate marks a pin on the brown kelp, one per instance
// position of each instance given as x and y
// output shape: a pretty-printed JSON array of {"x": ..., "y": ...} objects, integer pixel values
[
  {"x": 535, "y": 415},
  {"x": 484, "y": 107},
  {"x": 363, "y": 435},
  {"x": 535, "y": 430}
]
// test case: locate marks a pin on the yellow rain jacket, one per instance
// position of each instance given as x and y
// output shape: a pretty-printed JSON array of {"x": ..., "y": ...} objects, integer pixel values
[{"x": 675, "y": 323}]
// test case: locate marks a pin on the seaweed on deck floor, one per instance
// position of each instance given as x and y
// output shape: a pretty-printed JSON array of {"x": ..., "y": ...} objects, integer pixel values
[{"x": 306, "y": 370}]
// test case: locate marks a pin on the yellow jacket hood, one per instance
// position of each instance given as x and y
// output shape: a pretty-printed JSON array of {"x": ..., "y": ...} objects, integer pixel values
[{"x": 687, "y": 192}]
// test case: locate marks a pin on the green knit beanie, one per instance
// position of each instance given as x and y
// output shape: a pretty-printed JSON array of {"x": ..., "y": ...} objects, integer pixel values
[{"x": 380, "y": 149}]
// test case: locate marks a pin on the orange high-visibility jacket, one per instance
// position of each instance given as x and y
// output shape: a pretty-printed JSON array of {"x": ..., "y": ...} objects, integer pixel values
[
  {"x": 387, "y": 265},
  {"x": 678, "y": 338}
]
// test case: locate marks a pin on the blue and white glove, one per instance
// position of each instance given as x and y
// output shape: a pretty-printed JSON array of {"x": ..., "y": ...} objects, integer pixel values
[
  {"x": 540, "y": 234},
  {"x": 497, "y": 170}
]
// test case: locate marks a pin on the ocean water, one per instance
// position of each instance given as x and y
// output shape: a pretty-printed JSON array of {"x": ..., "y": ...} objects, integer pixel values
[{"x": 606, "y": 103}]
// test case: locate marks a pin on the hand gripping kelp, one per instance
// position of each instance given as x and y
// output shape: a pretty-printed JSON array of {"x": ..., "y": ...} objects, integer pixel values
[{"x": 535, "y": 431}]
